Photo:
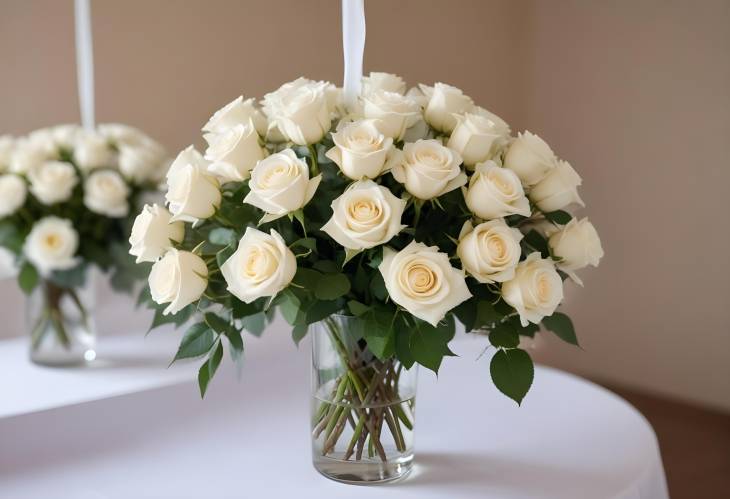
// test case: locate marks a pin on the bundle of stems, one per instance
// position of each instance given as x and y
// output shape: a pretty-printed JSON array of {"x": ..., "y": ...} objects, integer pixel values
[
  {"x": 52, "y": 317},
  {"x": 366, "y": 397}
]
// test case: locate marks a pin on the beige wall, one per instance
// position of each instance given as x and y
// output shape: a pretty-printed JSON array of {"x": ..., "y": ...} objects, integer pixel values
[{"x": 635, "y": 94}]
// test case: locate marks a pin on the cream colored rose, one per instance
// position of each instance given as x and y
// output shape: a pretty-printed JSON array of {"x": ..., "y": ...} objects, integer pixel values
[
  {"x": 66, "y": 136},
  {"x": 427, "y": 169},
  {"x": 360, "y": 150},
  {"x": 535, "y": 291},
  {"x": 478, "y": 137},
  {"x": 28, "y": 155},
  {"x": 193, "y": 193},
  {"x": 495, "y": 192},
  {"x": 490, "y": 251},
  {"x": 395, "y": 113},
  {"x": 280, "y": 184},
  {"x": 530, "y": 158},
  {"x": 383, "y": 81},
  {"x": 234, "y": 153},
  {"x": 51, "y": 245},
  {"x": 262, "y": 265},
  {"x": 364, "y": 216},
  {"x": 444, "y": 104},
  {"x": 178, "y": 278},
  {"x": 106, "y": 193},
  {"x": 12, "y": 194},
  {"x": 52, "y": 181},
  {"x": 120, "y": 134},
  {"x": 300, "y": 110},
  {"x": 142, "y": 163},
  {"x": 558, "y": 189},
  {"x": 7, "y": 146},
  {"x": 92, "y": 150},
  {"x": 153, "y": 233},
  {"x": 577, "y": 245},
  {"x": 420, "y": 279},
  {"x": 236, "y": 112}
]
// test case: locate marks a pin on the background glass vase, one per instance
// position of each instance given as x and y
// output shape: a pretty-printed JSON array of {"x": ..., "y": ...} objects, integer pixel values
[
  {"x": 363, "y": 408},
  {"x": 61, "y": 323}
]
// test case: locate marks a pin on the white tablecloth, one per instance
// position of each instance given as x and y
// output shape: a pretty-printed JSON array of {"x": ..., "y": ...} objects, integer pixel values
[{"x": 250, "y": 439}]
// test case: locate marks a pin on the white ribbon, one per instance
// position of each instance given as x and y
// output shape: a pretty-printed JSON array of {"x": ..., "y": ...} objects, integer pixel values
[
  {"x": 353, "y": 46},
  {"x": 84, "y": 63}
]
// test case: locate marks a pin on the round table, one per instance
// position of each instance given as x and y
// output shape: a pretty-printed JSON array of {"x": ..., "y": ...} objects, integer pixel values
[{"x": 570, "y": 439}]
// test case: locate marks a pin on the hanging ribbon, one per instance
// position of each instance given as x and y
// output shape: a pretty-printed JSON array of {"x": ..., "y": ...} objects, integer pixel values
[
  {"x": 353, "y": 46},
  {"x": 84, "y": 63}
]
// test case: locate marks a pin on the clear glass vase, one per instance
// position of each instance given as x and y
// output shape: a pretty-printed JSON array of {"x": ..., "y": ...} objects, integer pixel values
[
  {"x": 61, "y": 325},
  {"x": 363, "y": 408}
]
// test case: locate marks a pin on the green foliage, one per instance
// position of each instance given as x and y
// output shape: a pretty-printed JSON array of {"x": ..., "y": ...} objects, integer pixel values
[
  {"x": 429, "y": 345},
  {"x": 562, "y": 326},
  {"x": 332, "y": 286},
  {"x": 559, "y": 217},
  {"x": 512, "y": 372},
  {"x": 27, "y": 278},
  {"x": 198, "y": 340},
  {"x": 207, "y": 370}
]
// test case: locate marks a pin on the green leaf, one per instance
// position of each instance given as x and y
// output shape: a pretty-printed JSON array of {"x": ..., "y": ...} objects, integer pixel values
[
  {"x": 207, "y": 370},
  {"x": 357, "y": 308},
  {"x": 326, "y": 266},
  {"x": 241, "y": 309},
  {"x": 429, "y": 345},
  {"x": 198, "y": 340},
  {"x": 377, "y": 287},
  {"x": 403, "y": 346},
  {"x": 307, "y": 278},
  {"x": 332, "y": 286},
  {"x": 466, "y": 312},
  {"x": 290, "y": 308},
  {"x": 559, "y": 217},
  {"x": 379, "y": 334},
  {"x": 217, "y": 323},
  {"x": 486, "y": 314},
  {"x": 224, "y": 254},
  {"x": 512, "y": 373},
  {"x": 535, "y": 240},
  {"x": 236, "y": 343},
  {"x": 255, "y": 324},
  {"x": 221, "y": 236},
  {"x": 299, "y": 332},
  {"x": 504, "y": 336},
  {"x": 28, "y": 278},
  {"x": 177, "y": 319},
  {"x": 145, "y": 297},
  {"x": 72, "y": 278},
  {"x": 10, "y": 237},
  {"x": 319, "y": 310},
  {"x": 562, "y": 326}
]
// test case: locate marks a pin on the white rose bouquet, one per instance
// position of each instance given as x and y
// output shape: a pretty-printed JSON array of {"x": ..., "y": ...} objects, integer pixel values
[
  {"x": 68, "y": 197},
  {"x": 403, "y": 213}
]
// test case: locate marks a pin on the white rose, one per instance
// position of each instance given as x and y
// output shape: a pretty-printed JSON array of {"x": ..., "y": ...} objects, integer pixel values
[
  {"x": 7, "y": 145},
  {"x": 444, "y": 104},
  {"x": 262, "y": 265},
  {"x": 364, "y": 216},
  {"x": 52, "y": 181},
  {"x": 153, "y": 233},
  {"x": 530, "y": 158},
  {"x": 535, "y": 291},
  {"x": 420, "y": 279},
  {"x": 395, "y": 113},
  {"x": 558, "y": 189},
  {"x": 490, "y": 251},
  {"x": 236, "y": 112},
  {"x": 12, "y": 194},
  {"x": 495, "y": 192},
  {"x": 280, "y": 184},
  {"x": 178, "y": 278},
  {"x": 234, "y": 153},
  {"x": 141, "y": 163},
  {"x": 192, "y": 193},
  {"x": 300, "y": 110},
  {"x": 27, "y": 155},
  {"x": 65, "y": 136},
  {"x": 383, "y": 81},
  {"x": 126, "y": 135},
  {"x": 427, "y": 168},
  {"x": 106, "y": 193},
  {"x": 577, "y": 245},
  {"x": 360, "y": 150},
  {"x": 51, "y": 245},
  {"x": 91, "y": 150},
  {"x": 478, "y": 137}
]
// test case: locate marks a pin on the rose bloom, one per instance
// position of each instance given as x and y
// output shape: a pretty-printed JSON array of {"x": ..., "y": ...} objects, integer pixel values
[
  {"x": 51, "y": 245},
  {"x": 427, "y": 168},
  {"x": 421, "y": 279},
  {"x": 153, "y": 233},
  {"x": 490, "y": 251},
  {"x": 178, "y": 278},
  {"x": 535, "y": 291},
  {"x": 360, "y": 149}
]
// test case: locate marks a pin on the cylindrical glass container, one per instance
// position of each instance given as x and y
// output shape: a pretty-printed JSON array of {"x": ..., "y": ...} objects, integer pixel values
[
  {"x": 363, "y": 408},
  {"x": 61, "y": 324}
]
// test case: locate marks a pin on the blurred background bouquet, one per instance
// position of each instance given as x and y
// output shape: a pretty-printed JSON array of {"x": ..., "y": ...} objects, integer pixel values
[{"x": 67, "y": 199}]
